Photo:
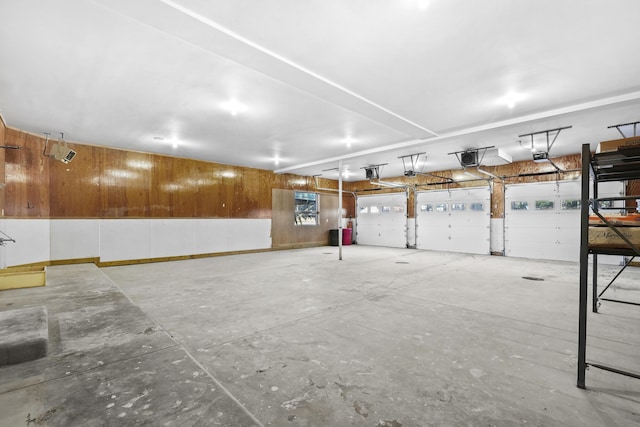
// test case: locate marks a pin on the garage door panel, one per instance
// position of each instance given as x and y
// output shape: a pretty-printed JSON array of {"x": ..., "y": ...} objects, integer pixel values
[
  {"x": 553, "y": 230},
  {"x": 382, "y": 220},
  {"x": 459, "y": 228}
]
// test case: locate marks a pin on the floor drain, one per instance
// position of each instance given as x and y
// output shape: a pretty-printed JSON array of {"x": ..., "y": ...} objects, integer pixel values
[{"x": 537, "y": 279}]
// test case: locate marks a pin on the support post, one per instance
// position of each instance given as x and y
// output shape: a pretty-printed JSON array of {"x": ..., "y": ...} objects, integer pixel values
[
  {"x": 340, "y": 210},
  {"x": 584, "y": 266}
]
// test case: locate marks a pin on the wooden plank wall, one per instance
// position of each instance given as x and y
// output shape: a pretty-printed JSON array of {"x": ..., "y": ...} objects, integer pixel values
[
  {"x": 285, "y": 234},
  {"x": 110, "y": 183}
]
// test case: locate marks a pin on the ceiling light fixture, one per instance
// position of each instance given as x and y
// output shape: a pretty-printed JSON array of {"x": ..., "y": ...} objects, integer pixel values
[
  {"x": 348, "y": 141},
  {"x": 511, "y": 98},
  {"x": 234, "y": 107}
]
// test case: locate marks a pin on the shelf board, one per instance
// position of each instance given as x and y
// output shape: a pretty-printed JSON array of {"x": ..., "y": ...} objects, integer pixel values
[{"x": 618, "y": 165}]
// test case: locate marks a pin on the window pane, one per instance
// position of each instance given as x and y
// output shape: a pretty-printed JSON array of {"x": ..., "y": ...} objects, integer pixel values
[
  {"x": 570, "y": 204},
  {"x": 374, "y": 209},
  {"x": 306, "y": 208},
  {"x": 605, "y": 204},
  {"x": 386, "y": 209},
  {"x": 457, "y": 206},
  {"x": 520, "y": 206},
  {"x": 543, "y": 205},
  {"x": 426, "y": 208},
  {"x": 476, "y": 206},
  {"x": 398, "y": 209},
  {"x": 364, "y": 209},
  {"x": 442, "y": 207}
]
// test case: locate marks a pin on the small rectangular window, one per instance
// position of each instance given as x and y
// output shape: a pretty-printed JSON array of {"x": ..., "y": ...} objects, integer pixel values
[
  {"x": 476, "y": 206},
  {"x": 570, "y": 204},
  {"x": 426, "y": 208},
  {"x": 364, "y": 209},
  {"x": 386, "y": 209},
  {"x": 442, "y": 207},
  {"x": 374, "y": 209},
  {"x": 520, "y": 206},
  {"x": 306, "y": 208},
  {"x": 544, "y": 205},
  {"x": 398, "y": 209},
  {"x": 457, "y": 206}
]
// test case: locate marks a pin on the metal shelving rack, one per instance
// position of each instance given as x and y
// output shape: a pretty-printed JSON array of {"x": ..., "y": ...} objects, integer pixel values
[{"x": 619, "y": 165}]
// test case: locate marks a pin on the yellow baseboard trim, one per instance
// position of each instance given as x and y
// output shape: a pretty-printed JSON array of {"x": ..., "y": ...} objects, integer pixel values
[
  {"x": 300, "y": 245},
  {"x": 97, "y": 262},
  {"x": 177, "y": 258}
]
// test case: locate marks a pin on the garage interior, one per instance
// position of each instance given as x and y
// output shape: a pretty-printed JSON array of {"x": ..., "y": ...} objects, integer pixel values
[{"x": 330, "y": 213}]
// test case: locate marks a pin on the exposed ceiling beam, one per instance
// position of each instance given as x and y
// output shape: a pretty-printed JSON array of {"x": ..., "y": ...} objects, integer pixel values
[{"x": 503, "y": 123}]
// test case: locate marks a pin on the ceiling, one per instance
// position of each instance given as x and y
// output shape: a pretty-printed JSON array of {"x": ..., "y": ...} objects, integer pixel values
[{"x": 320, "y": 81}]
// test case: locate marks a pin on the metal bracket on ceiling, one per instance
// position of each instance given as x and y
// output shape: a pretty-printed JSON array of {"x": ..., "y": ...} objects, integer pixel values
[
  {"x": 634, "y": 124},
  {"x": 412, "y": 160},
  {"x": 373, "y": 171},
  {"x": 547, "y": 133},
  {"x": 471, "y": 156}
]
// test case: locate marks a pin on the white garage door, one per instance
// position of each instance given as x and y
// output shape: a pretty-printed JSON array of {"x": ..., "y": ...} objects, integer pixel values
[
  {"x": 382, "y": 220},
  {"x": 542, "y": 220},
  {"x": 456, "y": 220}
]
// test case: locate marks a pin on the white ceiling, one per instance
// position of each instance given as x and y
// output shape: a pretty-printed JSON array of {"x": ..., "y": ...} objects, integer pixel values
[{"x": 152, "y": 75}]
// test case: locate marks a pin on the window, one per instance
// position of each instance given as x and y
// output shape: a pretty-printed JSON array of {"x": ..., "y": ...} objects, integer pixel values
[
  {"x": 426, "y": 208},
  {"x": 520, "y": 206},
  {"x": 457, "y": 206},
  {"x": 570, "y": 204},
  {"x": 306, "y": 208},
  {"x": 442, "y": 207},
  {"x": 476, "y": 206},
  {"x": 386, "y": 209},
  {"x": 364, "y": 209},
  {"x": 544, "y": 205},
  {"x": 374, "y": 209},
  {"x": 398, "y": 209}
]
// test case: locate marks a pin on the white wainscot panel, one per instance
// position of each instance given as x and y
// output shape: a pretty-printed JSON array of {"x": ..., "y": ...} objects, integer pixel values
[
  {"x": 75, "y": 238},
  {"x": 172, "y": 237},
  {"x": 247, "y": 234},
  {"x": 211, "y": 236},
  {"x": 497, "y": 234},
  {"x": 31, "y": 241},
  {"x": 125, "y": 239},
  {"x": 224, "y": 235},
  {"x": 411, "y": 231}
]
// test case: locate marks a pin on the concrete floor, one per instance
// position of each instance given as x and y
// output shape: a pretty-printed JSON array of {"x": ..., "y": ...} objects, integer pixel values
[{"x": 384, "y": 338}]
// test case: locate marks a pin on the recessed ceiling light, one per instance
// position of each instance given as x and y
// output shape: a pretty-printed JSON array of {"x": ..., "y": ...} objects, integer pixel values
[
  {"x": 511, "y": 99},
  {"x": 234, "y": 107},
  {"x": 348, "y": 141}
]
